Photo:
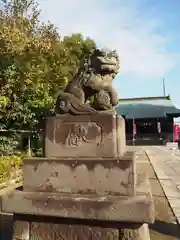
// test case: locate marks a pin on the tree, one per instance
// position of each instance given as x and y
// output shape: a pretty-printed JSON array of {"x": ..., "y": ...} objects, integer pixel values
[{"x": 35, "y": 63}]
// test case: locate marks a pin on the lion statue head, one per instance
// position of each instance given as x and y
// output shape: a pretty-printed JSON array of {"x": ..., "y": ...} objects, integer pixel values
[{"x": 104, "y": 62}]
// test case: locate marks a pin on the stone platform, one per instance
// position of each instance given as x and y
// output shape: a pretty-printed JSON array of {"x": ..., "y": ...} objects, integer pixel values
[
  {"x": 137, "y": 208},
  {"x": 87, "y": 175},
  {"x": 35, "y": 228},
  {"x": 81, "y": 175},
  {"x": 43, "y": 215}
]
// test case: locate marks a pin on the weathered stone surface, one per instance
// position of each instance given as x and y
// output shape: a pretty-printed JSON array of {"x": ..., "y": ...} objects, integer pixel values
[
  {"x": 97, "y": 135},
  {"x": 113, "y": 208},
  {"x": 42, "y": 231},
  {"x": 21, "y": 230},
  {"x": 141, "y": 233},
  {"x": 84, "y": 176},
  {"x": 97, "y": 231},
  {"x": 121, "y": 136}
]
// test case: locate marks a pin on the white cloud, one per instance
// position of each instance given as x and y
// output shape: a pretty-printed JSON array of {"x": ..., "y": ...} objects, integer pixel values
[{"x": 124, "y": 28}]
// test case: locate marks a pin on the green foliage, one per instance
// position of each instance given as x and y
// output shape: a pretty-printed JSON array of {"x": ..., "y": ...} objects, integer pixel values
[
  {"x": 35, "y": 63},
  {"x": 8, "y": 164},
  {"x": 8, "y": 144}
]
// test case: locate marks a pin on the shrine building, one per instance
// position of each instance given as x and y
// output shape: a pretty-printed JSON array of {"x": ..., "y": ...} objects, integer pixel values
[{"x": 149, "y": 120}]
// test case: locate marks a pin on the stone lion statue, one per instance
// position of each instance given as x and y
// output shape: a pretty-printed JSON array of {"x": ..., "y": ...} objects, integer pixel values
[{"x": 91, "y": 91}]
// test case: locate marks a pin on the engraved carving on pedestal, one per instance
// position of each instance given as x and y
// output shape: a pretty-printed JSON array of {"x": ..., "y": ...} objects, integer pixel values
[
  {"x": 41, "y": 231},
  {"x": 78, "y": 134}
]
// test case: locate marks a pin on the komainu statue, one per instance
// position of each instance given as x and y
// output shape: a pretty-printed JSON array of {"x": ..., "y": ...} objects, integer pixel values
[{"x": 91, "y": 91}]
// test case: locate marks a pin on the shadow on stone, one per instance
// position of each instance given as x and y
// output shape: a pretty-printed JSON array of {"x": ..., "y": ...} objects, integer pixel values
[{"x": 170, "y": 229}]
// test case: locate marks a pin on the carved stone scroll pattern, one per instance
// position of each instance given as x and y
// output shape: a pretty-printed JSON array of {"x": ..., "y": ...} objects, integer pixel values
[
  {"x": 50, "y": 231},
  {"x": 41, "y": 231}
]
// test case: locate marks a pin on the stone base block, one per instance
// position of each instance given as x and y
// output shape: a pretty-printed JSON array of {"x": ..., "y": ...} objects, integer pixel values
[
  {"x": 141, "y": 233},
  {"x": 84, "y": 176},
  {"x": 135, "y": 209},
  {"x": 59, "y": 231},
  {"x": 126, "y": 209},
  {"x": 99, "y": 135},
  {"x": 22, "y": 230}
]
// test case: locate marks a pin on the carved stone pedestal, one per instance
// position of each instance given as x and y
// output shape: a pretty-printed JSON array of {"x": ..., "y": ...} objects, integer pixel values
[
  {"x": 85, "y": 188},
  {"x": 90, "y": 136},
  {"x": 41, "y": 231}
]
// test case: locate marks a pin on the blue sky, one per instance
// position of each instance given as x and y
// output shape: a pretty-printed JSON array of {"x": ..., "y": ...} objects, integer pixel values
[{"x": 144, "y": 32}]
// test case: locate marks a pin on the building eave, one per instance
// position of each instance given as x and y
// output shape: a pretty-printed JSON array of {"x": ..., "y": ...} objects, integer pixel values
[{"x": 149, "y": 107}]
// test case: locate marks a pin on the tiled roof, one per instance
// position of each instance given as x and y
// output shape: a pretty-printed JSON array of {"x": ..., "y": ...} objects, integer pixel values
[{"x": 151, "y": 107}]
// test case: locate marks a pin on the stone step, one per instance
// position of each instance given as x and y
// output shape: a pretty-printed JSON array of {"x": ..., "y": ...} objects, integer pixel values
[
  {"x": 86, "y": 176},
  {"x": 136, "y": 209}
]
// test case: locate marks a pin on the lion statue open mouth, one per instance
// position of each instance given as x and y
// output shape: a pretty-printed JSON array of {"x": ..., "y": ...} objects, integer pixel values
[{"x": 91, "y": 91}]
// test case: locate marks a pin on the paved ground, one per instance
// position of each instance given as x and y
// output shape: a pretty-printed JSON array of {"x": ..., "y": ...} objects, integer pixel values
[
  {"x": 166, "y": 164},
  {"x": 165, "y": 227}
]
